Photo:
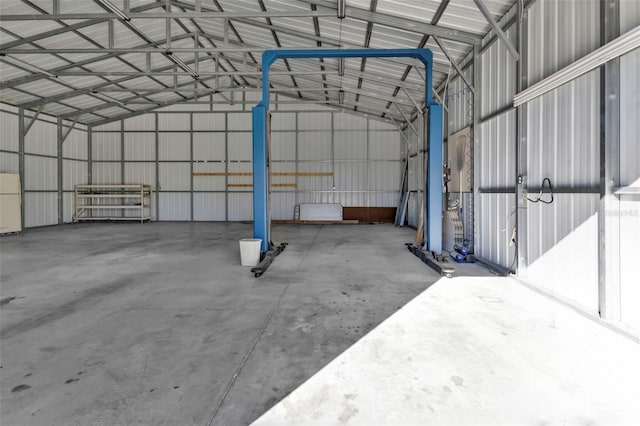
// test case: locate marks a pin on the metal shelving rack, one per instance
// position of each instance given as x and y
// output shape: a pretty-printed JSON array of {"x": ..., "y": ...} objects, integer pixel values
[{"x": 90, "y": 200}]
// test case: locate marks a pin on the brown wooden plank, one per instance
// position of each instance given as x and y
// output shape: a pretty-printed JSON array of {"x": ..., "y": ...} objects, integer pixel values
[
  {"x": 370, "y": 214},
  {"x": 249, "y": 185},
  {"x": 302, "y": 174},
  {"x": 272, "y": 174},
  {"x": 316, "y": 222},
  {"x": 223, "y": 174}
]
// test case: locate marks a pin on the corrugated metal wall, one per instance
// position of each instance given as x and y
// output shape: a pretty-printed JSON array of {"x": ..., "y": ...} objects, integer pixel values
[
  {"x": 628, "y": 210},
  {"x": 495, "y": 148},
  {"x": 41, "y": 196},
  {"x": 563, "y": 139},
  {"x": 362, "y": 154}
]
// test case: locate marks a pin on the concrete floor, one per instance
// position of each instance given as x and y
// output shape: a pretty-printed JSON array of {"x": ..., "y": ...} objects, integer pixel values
[
  {"x": 472, "y": 351},
  {"x": 129, "y": 324}
]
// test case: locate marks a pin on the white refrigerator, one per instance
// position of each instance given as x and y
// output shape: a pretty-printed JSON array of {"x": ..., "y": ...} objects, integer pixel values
[{"x": 10, "y": 203}]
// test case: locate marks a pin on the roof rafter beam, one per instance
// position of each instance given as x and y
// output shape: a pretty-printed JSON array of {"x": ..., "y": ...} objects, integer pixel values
[
  {"x": 72, "y": 27},
  {"x": 33, "y": 77},
  {"x": 496, "y": 28},
  {"x": 402, "y": 23},
  {"x": 164, "y": 15},
  {"x": 457, "y": 68}
]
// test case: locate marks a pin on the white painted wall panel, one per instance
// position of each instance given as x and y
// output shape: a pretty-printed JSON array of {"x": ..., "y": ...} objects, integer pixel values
[
  {"x": 384, "y": 145},
  {"x": 239, "y": 121},
  {"x": 209, "y": 121},
  {"x": 629, "y": 254},
  {"x": 460, "y": 102},
  {"x": 209, "y": 183},
  {"x": 563, "y": 248},
  {"x": 140, "y": 173},
  {"x": 279, "y": 167},
  {"x": 384, "y": 199},
  {"x": 75, "y": 146},
  {"x": 73, "y": 173},
  {"x": 498, "y": 70},
  {"x": 241, "y": 180},
  {"x": 384, "y": 176},
  {"x": 139, "y": 146},
  {"x": 175, "y": 206},
  {"x": 9, "y": 163},
  {"x": 629, "y": 15},
  {"x": 283, "y": 121},
  {"x": 496, "y": 152},
  {"x": 41, "y": 208},
  {"x": 314, "y": 121},
  {"x": 209, "y": 147},
  {"x": 350, "y": 145},
  {"x": 208, "y": 207},
  {"x": 240, "y": 146},
  {"x": 174, "y": 122},
  {"x": 9, "y": 126},
  {"x": 240, "y": 206},
  {"x": 283, "y": 146},
  {"x": 175, "y": 176},
  {"x": 282, "y": 206},
  {"x": 381, "y": 125},
  {"x": 106, "y": 146},
  {"x": 314, "y": 146},
  {"x": 141, "y": 122},
  {"x": 42, "y": 139},
  {"x": 563, "y": 137},
  {"x": 351, "y": 199},
  {"x": 344, "y": 121},
  {"x": 495, "y": 222},
  {"x": 351, "y": 176},
  {"x": 559, "y": 33},
  {"x": 315, "y": 183},
  {"x": 41, "y": 173},
  {"x": 629, "y": 119},
  {"x": 174, "y": 146},
  {"x": 106, "y": 173},
  {"x": 68, "y": 207}
]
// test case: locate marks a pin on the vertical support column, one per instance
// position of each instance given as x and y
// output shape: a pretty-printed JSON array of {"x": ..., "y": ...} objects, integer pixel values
[
  {"x": 21, "y": 136},
  {"x": 122, "y": 176},
  {"x": 608, "y": 211},
  {"x": 434, "y": 179},
  {"x": 333, "y": 158},
  {"x": 157, "y": 167},
  {"x": 260, "y": 177},
  {"x": 60, "y": 164},
  {"x": 297, "y": 196},
  {"x": 90, "y": 155},
  {"x": 226, "y": 166},
  {"x": 191, "y": 162},
  {"x": 522, "y": 82},
  {"x": 475, "y": 138}
]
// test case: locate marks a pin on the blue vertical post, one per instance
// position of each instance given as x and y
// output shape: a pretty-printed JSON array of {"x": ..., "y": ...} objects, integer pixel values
[
  {"x": 260, "y": 177},
  {"x": 434, "y": 179},
  {"x": 433, "y": 231}
]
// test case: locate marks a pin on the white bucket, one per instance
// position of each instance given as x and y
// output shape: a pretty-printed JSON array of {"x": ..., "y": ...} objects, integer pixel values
[{"x": 250, "y": 251}]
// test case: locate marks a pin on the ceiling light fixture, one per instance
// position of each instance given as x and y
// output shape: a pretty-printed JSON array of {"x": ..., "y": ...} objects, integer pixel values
[
  {"x": 23, "y": 64},
  {"x": 342, "y": 9},
  {"x": 113, "y": 8},
  {"x": 341, "y": 67},
  {"x": 341, "y": 97},
  {"x": 179, "y": 62}
]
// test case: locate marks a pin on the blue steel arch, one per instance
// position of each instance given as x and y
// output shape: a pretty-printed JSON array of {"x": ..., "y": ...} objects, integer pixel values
[{"x": 434, "y": 184}]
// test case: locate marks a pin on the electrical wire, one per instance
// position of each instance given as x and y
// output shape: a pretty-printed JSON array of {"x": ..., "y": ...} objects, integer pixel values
[{"x": 538, "y": 198}]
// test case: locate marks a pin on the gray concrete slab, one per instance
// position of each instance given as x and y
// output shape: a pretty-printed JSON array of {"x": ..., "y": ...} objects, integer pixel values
[
  {"x": 475, "y": 351},
  {"x": 159, "y": 324}
]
